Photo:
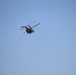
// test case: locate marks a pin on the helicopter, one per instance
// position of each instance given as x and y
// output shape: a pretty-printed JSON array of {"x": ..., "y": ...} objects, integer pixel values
[{"x": 28, "y": 28}]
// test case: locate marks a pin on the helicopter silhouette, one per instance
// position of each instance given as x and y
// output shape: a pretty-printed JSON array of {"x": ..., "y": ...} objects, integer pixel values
[{"x": 29, "y": 29}]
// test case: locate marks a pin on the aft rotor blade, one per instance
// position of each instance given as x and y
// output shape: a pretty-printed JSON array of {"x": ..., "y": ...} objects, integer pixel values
[{"x": 36, "y": 25}]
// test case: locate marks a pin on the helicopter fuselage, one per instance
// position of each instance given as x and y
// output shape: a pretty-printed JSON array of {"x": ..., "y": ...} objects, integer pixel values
[{"x": 29, "y": 30}]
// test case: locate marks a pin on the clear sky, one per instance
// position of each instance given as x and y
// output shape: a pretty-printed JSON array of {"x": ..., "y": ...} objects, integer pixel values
[{"x": 51, "y": 50}]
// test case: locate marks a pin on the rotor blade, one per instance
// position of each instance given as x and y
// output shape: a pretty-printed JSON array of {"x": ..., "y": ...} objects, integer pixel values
[
  {"x": 24, "y": 32},
  {"x": 27, "y": 25},
  {"x": 32, "y": 22},
  {"x": 35, "y": 25}
]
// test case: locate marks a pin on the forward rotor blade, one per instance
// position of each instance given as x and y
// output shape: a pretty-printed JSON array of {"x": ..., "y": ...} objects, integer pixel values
[{"x": 35, "y": 25}]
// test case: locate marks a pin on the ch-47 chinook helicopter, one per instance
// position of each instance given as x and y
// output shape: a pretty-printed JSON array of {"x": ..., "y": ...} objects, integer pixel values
[{"x": 28, "y": 28}]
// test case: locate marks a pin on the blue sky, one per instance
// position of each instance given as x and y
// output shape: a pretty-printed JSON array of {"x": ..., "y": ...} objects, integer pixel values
[{"x": 51, "y": 50}]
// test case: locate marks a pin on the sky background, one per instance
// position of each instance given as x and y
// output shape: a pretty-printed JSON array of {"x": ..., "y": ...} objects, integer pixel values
[{"x": 51, "y": 50}]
